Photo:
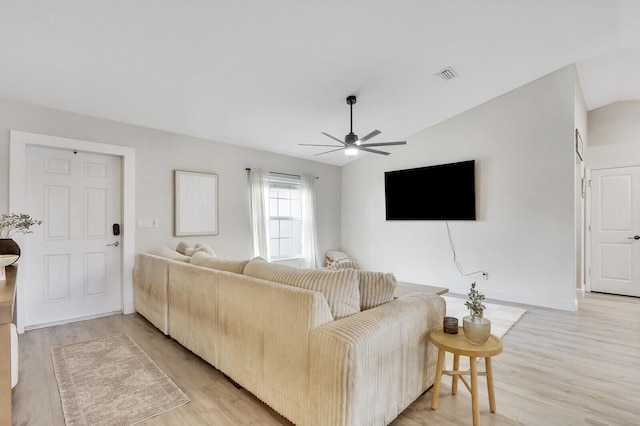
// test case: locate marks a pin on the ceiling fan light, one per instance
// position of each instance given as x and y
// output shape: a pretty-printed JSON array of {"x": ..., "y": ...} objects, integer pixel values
[
  {"x": 351, "y": 151},
  {"x": 351, "y": 138}
]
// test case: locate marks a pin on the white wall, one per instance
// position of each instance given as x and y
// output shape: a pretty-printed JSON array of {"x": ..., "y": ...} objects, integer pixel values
[
  {"x": 580, "y": 123},
  {"x": 614, "y": 135},
  {"x": 158, "y": 153},
  {"x": 524, "y": 236}
]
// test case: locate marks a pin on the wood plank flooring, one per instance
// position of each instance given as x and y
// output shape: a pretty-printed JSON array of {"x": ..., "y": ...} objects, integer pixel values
[{"x": 558, "y": 368}]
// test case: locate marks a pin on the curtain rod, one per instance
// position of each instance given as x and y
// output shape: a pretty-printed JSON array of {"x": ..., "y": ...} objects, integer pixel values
[{"x": 280, "y": 173}]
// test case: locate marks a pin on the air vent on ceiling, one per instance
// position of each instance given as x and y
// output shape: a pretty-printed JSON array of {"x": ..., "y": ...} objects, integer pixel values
[{"x": 447, "y": 74}]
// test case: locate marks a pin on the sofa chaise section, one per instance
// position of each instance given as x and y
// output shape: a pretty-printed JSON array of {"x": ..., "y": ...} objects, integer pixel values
[{"x": 368, "y": 368}]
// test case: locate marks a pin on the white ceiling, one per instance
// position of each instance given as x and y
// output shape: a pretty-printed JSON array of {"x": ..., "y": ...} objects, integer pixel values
[{"x": 270, "y": 74}]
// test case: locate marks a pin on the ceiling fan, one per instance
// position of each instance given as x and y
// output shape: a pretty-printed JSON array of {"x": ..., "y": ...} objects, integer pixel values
[{"x": 352, "y": 144}]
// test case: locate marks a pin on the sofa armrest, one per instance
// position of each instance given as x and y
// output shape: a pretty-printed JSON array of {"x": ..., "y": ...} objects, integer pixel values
[
  {"x": 151, "y": 289},
  {"x": 367, "y": 368}
]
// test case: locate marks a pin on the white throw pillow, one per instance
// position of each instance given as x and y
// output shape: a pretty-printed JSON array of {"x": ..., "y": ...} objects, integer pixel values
[
  {"x": 168, "y": 253},
  {"x": 200, "y": 248},
  {"x": 182, "y": 247},
  {"x": 205, "y": 248}
]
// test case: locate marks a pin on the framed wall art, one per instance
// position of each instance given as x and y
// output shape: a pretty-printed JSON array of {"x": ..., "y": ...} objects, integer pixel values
[
  {"x": 195, "y": 203},
  {"x": 579, "y": 146}
]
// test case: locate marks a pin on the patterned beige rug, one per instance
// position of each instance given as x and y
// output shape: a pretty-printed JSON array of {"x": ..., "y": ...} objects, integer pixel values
[{"x": 111, "y": 381}]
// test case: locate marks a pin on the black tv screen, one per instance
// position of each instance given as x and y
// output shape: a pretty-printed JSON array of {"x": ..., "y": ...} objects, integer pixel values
[{"x": 442, "y": 192}]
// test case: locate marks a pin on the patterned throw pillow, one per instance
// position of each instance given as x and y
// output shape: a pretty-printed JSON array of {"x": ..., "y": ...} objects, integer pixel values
[
  {"x": 340, "y": 288},
  {"x": 344, "y": 264}
]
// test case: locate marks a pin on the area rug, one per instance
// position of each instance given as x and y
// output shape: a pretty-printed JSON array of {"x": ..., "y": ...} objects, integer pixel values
[
  {"x": 502, "y": 319},
  {"x": 111, "y": 381}
]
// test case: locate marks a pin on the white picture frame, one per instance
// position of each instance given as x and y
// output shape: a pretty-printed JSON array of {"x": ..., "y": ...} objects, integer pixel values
[{"x": 195, "y": 203}]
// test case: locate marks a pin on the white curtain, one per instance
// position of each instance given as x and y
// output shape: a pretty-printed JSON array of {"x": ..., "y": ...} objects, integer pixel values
[
  {"x": 259, "y": 184},
  {"x": 309, "y": 233}
]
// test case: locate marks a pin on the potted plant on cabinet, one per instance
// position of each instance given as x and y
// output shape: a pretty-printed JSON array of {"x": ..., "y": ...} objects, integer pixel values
[
  {"x": 10, "y": 225},
  {"x": 477, "y": 329}
]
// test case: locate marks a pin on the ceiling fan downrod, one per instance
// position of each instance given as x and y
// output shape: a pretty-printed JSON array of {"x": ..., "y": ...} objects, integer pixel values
[{"x": 351, "y": 138}]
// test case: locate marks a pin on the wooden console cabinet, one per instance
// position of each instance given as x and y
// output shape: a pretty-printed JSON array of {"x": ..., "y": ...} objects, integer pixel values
[{"x": 7, "y": 316}]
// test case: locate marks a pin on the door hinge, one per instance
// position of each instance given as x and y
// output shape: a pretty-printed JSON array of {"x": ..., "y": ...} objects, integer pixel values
[
  {"x": 589, "y": 271},
  {"x": 589, "y": 227},
  {"x": 589, "y": 183}
]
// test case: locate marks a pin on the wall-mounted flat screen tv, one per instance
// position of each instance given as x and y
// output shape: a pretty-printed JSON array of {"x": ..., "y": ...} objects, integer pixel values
[{"x": 442, "y": 192}]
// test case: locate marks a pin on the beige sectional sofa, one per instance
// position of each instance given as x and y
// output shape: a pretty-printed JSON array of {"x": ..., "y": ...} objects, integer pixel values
[{"x": 281, "y": 340}]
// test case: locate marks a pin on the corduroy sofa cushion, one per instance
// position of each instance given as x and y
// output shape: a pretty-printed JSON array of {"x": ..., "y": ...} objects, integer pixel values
[
  {"x": 340, "y": 288},
  {"x": 201, "y": 258},
  {"x": 376, "y": 288}
]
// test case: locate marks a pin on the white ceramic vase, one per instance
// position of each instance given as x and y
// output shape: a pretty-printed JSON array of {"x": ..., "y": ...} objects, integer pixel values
[{"x": 476, "y": 329}]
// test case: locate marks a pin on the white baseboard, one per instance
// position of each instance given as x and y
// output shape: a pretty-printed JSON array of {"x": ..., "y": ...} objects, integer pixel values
[{"x": 69, "y": 321}]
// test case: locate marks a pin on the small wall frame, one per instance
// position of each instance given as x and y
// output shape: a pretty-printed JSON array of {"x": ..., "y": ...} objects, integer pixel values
[
  {"x": 195, "y": 203},
  {"x": 579, "y": 146}
]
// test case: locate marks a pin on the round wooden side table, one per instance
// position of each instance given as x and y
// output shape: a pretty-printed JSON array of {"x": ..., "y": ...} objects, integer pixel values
[{"x": 458, "y": 345}]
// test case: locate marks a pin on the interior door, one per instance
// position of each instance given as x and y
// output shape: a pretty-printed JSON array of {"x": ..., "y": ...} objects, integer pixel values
[
  {"x": 74, "y": 258},
  {"x": 615, "y": 231}
]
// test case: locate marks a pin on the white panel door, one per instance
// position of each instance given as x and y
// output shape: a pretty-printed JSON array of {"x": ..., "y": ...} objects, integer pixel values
[
  {"x": 615, "y": 231},
  {"x": 73, "y": 262}
]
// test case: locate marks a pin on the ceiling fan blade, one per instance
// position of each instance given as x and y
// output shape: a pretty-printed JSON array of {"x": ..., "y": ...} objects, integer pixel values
[
  {"x": 313, "y": 144},
  {"x": 333, "y": 137},
  {"x": 384, "y": 144},
  {"x": 370, "y": 135},
  {"x": 375, "y": 151},
  {"x": 326, "y": 152}
]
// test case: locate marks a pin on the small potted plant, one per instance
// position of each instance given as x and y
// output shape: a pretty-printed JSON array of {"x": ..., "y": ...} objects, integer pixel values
[
  {"x": 474, "y": 303},
  {"x": 477, "y": 329},
  {"x": 10, "y": 225}
]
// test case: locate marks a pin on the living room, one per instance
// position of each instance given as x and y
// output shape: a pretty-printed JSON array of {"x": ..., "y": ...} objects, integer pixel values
[{"x": 528, "y": 234}]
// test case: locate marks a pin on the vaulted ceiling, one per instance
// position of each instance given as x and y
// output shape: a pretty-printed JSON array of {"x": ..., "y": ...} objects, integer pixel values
[{"x": 270, "y": 74}]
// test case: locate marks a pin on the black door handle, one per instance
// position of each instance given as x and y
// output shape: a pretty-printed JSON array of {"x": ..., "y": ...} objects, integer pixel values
[{"x": 635, "y": 237}]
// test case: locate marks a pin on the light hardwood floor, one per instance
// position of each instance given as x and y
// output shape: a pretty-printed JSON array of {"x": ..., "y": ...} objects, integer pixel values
[{"x": 557, "y": 368}]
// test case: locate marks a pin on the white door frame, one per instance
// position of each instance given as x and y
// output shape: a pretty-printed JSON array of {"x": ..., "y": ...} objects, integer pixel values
[
  {"x": 588, "y": 216},
  {"x": 18, "y": 142}
]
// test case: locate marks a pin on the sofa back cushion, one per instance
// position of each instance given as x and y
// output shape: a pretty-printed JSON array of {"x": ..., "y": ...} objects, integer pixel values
[
  {"x": 340, "y": 288},
  {"x": 163, "y": 251},
  {"x": 201, "y": 258},
  {"x": 376, "y": 288}
]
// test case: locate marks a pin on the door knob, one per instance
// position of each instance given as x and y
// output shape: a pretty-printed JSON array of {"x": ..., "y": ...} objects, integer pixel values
[
  {"x": 117, "y": 243},
  {"x": 635, "y": 237}
]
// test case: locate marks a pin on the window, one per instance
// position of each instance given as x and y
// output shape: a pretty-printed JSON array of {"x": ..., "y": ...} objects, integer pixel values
[{"x": 285, "y": 219}]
